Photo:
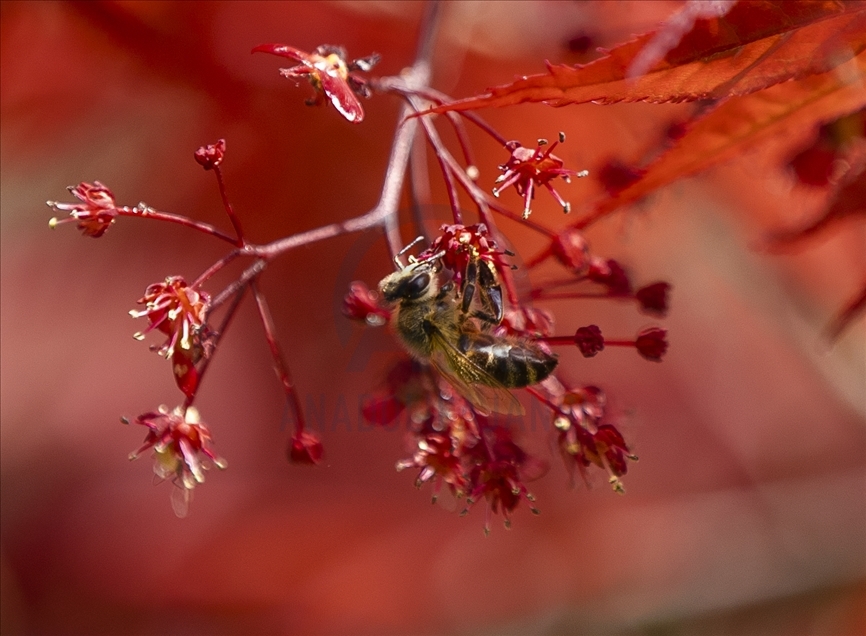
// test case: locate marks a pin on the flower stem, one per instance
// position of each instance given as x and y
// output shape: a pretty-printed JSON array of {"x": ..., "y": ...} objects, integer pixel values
[
  {"x": 236, "y": 223},
  {"x": 280, "y": 367},
  {"x": 147, "y": 212}
]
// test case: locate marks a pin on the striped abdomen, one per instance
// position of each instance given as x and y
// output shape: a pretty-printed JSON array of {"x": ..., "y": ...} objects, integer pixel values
[{"x": 513, "y": 363}]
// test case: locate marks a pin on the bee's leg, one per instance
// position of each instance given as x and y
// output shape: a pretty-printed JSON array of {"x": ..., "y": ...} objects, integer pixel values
[
  {"x": 469, "y": 285},
  {"x": 491, "y": 296}
]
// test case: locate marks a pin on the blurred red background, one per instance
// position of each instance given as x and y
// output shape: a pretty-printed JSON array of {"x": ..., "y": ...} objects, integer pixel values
[{"x": 746, "y": 513}]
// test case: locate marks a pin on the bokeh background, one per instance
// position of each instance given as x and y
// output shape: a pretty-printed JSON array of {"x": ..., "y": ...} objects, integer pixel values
[{"x": 746, "y": 513}]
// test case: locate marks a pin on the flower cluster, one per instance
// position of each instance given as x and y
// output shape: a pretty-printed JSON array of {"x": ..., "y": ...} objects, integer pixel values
[
  {"x": 452, "y": 445},
  {"x": 457, "y": 309},
  {"x": 180, "y": 312},
  {"x": 94, "y": 214},
  {"x": 182, "y": 450},
  {"x": 527, "y": 169},
  {"x": 474, "y": 260}
]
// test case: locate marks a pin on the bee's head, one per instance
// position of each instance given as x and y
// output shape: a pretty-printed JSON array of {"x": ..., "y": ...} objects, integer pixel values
[{"x": 416, "y": 282}]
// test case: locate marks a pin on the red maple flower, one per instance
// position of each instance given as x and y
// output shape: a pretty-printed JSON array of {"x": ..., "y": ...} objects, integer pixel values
[
  {"x": 94, "y": 214},
  {"x": 438, "y": 455},
  {"x": 332, "y": 77},
  {"x": 610, "y": 274},
  {"x": 499, "y": 473},
  {"x": 584, "y": 440},
  {"x": 459, "y": 245},
  {"x": 527, "y": 169},
  {"x": 180, "y": 312},
  {"x": 182, "y": 451}
]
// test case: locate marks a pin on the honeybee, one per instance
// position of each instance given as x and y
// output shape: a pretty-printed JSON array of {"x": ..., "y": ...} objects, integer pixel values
[{"x": 433, "y": 325}]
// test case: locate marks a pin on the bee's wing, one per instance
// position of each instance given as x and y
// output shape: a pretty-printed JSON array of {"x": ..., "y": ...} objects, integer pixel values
[{"x": 485, "y": 392}]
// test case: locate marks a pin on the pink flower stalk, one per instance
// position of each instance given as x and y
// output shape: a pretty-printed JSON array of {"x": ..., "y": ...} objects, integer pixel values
[{"x": 181, "y": 443}]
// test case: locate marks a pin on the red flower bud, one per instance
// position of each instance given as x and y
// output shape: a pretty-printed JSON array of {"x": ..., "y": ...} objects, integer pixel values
[
  {"x": 212, "y": 155},
  {"x": 652, "y": 343},
  {"x": 653, "y": 299},
  {"x": 589, "y": 340}
]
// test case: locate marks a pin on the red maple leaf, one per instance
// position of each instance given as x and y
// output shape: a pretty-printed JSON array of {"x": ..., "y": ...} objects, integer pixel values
[{"x": 751, "y": 46}]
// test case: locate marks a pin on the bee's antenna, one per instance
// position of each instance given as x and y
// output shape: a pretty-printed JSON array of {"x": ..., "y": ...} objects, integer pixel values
[{"x": 404, "y": 250}]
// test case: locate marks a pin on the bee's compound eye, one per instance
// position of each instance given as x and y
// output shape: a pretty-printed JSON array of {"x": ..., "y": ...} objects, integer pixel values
[{"x": 416, "y": 286}]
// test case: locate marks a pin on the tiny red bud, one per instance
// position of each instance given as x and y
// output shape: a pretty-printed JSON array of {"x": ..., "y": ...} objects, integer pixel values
[
  {"x": 652, "y": 343},
  {"x": 212, "y": 155},
  {"x": 589, "y": 340},
  {"x": 653, "y": 298}
]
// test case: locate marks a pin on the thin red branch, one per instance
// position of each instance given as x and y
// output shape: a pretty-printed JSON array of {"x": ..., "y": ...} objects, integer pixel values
[
  {"x": 280, "y": 367},
  {"x": 146, "y": 212},
  {"x": 236, "y": 223}
]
